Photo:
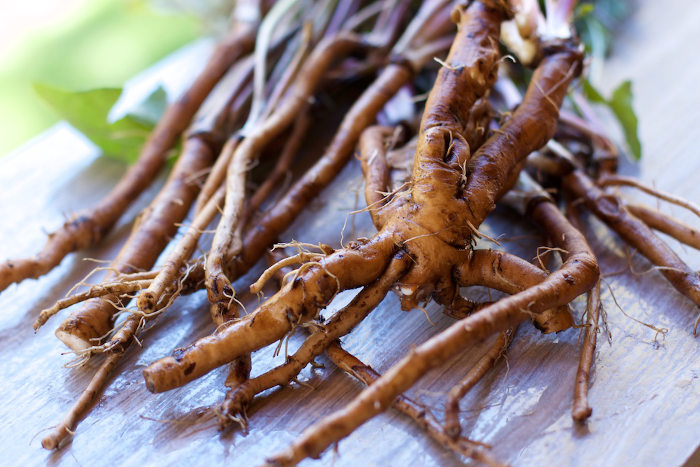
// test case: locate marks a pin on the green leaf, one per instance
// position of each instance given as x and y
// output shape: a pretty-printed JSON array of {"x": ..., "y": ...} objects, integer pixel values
[
  {"x": 152, "y": 108},
  {"x": 583, "y": 10},
  {"x": 591, "y": 93},
  {"x": 621, "y": 106},
  {"x": 88, "y": 112}
]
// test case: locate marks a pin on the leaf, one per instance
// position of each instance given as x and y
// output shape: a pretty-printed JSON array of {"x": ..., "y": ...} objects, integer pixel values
[
  {"x": 621, "y": 106},
  {"x": 591, "y": 93},
  {"x": 583, "y": 10},
  {"x": 88, "y": 112},
  {"x": 151, "y": 109}
]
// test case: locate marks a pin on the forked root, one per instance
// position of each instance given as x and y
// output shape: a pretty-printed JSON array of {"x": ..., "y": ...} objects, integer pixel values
[
  {"x": 578, "y": 273},
  {"x": 114, "y": 288},
  {"x": 298, "y": 302},
  {"x": 634, "y": 232},
  {"x": 428, "y": 222},
  {"x": 339, "y": 325},
  {"x": 617, "y": 180},
  {"x": 150, "y": 235},
  {"x": 417, "y": 412},
  {"x": 228, "y": 241}
]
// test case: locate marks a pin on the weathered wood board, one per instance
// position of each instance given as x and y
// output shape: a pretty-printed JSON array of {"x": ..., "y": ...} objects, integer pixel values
[{"x": 645, "y": 393}]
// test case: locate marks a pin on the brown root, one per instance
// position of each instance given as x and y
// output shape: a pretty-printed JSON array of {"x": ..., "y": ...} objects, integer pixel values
[
  {"x": 227, "y": 241},
  {"x": 150, "y": 236},
  {"x": 485, "y": 363},
  {"x": 117, "y": 289},
  {"x": 666, "y": 224},
  {"x": 618, "y": 180},
  {"x": 339, "y": 325},
  {"x": 581, "y": 410},
  {"x": 635, "y": 233},
  {"x": 297, "y": 303},
  {"x": 83, "y": 404},
  {"x": 88, "y": 227},
  {"x": 417, "y": 412},
  {"x": 578, "y": 273}
]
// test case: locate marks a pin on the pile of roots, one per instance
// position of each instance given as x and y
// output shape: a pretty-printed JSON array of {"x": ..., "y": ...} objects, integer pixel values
[{"x": 433, "y": 175}]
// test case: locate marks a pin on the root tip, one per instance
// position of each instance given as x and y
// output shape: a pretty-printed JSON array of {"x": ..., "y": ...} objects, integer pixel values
[
  {"x": 146, "y": 302},
  {"x": 150, "y": 385},
  {"x": 581, "y": 414},
  {"x": 51, "y": 442}
]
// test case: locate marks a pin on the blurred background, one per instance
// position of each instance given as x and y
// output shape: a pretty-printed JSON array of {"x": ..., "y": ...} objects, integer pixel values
[
  {"x": 87, "y": 44},
  {"x": 84, "y": 44}
]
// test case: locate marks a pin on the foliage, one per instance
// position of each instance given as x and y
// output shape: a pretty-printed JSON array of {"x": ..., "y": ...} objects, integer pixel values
[{"x": 88, "y": 112}]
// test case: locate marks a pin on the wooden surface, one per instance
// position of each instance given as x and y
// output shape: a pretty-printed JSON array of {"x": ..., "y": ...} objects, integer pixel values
[{"x": 645, "y": 393}]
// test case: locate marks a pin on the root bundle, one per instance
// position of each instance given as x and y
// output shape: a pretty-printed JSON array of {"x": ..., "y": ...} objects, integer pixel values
[{"x": 432, "y": 179}]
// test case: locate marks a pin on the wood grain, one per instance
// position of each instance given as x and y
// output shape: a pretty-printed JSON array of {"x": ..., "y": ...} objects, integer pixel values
[{"x": 645, "y": 393}]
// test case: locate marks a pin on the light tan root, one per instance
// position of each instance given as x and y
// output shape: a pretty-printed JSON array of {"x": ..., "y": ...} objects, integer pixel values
[
  {"x": 111, "y": 288},
  {"x": 82, "y": 405},
  {"x": 270, "y": 272},
  {"x": 148, "y": 299},
  {"x": 666, "y": 224}
]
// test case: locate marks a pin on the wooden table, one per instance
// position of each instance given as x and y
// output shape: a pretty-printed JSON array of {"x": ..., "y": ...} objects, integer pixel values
[{"x": 645, "y": 393}]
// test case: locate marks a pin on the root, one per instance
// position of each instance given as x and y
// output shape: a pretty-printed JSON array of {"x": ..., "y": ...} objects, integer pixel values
[
  {"x": 613, "y": 180},
  {"x": 297, "y": 303},
  {"x": 361, "y": 115},
  {"x": 184, "y": 249},
  {"x": 216, "y": 177},
  {"x": 339, "y": 325},
  {"x": 666, "y": 224},
  {"x": 375, "y": 169},
  {"x": 556, "y": 289},
  {"x": 272, "y": 270},
  {"x": 417, "y": 412},
  {"x": 581, "y": 410},
  {"x": 428, "y": 198},
  {"x": 227, "y": 241},
  {"x": 148, "y": 239},
  {"x": 635, "y": 233},
  {"x": 272, "y": 182},
  {"x": 485, "y": 363},
  {"x": 115, "y": 289},
  {"x": 88, "y": 227},
  {"x": 82, "y": 405}
]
